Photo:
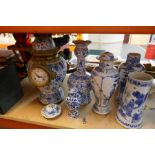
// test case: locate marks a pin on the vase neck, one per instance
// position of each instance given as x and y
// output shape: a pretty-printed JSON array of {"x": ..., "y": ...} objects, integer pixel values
[
  {"x": 133, "y": 58},
  {"x": 81, "y": 51},
  {"x": 81, "y": 65},
  {"x": 106, "y": 65}
]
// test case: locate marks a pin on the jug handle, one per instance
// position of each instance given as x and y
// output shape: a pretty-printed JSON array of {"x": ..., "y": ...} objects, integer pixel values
[
  {"x": 152, "y": 91},
  {"x": 147, "y": 107}
]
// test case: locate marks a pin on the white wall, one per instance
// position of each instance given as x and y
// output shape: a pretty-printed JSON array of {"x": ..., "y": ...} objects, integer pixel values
[
  {"x": 110, "y": 42},
  {"x": 137, "y": 39}
]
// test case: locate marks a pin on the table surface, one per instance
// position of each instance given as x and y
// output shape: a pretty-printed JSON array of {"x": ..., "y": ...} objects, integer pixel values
[{"x": 28, "y": 109}]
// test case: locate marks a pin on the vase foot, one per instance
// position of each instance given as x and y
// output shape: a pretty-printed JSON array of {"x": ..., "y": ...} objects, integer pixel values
[
  {"x": 74, "y": 114},
  {"x": 54, "y": 97},
  {"x": 101, "y": 110},
  {"x": 123, "y": 122}
]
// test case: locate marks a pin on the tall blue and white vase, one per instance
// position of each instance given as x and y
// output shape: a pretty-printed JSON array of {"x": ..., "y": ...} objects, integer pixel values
[
  {"x": 132, "y": 64},
  {"x": 47, "y": 64},
  {"x": 130, "y": 113},
  {"x": 104, "y": 81},
  {"x": 79, "y": 82}
]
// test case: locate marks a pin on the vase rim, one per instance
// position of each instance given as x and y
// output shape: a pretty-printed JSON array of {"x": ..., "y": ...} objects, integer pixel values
[
  {"x": 140, "y": 76},
  {"x": 134, "y": 54},
  {"x": 82, "y": 41},
  {"x": 45, "y": 52}
]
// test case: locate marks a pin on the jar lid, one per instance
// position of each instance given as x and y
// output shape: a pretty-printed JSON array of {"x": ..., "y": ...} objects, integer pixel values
[
  {"x": 106, "y": 56},
  {"x": 51, "y": 111},
  {"x": 43, "y": 42}
]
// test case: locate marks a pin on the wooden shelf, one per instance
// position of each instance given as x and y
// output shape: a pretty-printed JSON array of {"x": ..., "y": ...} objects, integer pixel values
[
  {"x": 26, "y": 114},
  {"x": 80, "y": 29}
]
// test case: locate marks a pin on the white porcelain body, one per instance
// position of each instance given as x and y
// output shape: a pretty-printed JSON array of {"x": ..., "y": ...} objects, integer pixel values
[
  {"x": 132, "y": 64},
  {"x": 104, "y": 81},
  {"x": 130, "y": 113}
]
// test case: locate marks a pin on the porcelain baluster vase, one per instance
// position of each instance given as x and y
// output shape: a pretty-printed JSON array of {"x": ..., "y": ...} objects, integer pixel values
[
  {"x": 132, "y": 64},
  {"x": 45, "y": 56},
  {"x": 130, "y": 113},
  {"x": 104, "y": 81},
  {"x": 79, "y": 82}
]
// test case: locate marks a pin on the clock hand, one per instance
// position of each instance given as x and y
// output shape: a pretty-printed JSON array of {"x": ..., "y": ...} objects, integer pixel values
[{"x": 38, "y": 75}]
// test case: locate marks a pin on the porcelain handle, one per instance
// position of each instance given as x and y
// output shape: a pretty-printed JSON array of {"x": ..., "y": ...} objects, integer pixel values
[
  {"x": 150, "y": 107},
  {"x": 152, "y": 90}
]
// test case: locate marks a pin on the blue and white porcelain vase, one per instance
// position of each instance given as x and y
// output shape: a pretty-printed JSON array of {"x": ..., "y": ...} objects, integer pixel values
[
  {"x": 45, "y": 56},
  {"x": 79, "y": 82},
  {"x": 104, "y": 81},
  {"x": 130, "y": 113},
  {"x": 132, "y": 64}
]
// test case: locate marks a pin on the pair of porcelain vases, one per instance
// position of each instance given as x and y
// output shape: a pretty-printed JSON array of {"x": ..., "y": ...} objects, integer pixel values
[{"x": 133, "y": 86}]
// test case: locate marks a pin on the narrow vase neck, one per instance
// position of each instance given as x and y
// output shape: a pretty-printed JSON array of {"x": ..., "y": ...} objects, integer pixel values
[
  {"x": 133, "y": 58},
  {"x": 81, "y": 65}
]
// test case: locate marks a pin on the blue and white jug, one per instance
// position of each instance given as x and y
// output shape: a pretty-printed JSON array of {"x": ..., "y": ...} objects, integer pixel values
[{"x": 137, "y": 89}]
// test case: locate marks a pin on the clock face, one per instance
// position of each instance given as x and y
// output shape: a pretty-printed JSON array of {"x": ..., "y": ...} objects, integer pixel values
[{"x": 39, "y": 76}]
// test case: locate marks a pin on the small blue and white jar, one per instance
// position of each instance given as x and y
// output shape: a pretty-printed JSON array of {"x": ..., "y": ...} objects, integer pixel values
[
  {"x": 104, "y": 82},
  {"x": 137, "y": 89},
  {"x": 132, "y": 64},
  {"x": 73, "y": 102},
  {"x": 80, "y": 79}
]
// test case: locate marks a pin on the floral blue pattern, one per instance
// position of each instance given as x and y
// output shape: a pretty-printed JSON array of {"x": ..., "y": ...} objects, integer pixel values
[
  {"x": 80, "y": 79},
  {"x": 53, "y": 96},
  {"x": 138, "y": 83},
  {"x": 53, "y": 93},
  {"x": 73, "y": 102},
  {"x": 129, "y": 114},
  {"x": 44, "y": 45},
  {"x": 51, "y": 111}
]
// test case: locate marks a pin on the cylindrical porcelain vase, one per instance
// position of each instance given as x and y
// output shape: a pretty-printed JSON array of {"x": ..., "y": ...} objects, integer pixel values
[
  {"x": 132, "y": 64},
  {"x": 130, "y": 113}
]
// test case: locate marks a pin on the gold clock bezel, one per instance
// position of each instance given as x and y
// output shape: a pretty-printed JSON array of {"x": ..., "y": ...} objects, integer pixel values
[{"x": 43, "y": 68}]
